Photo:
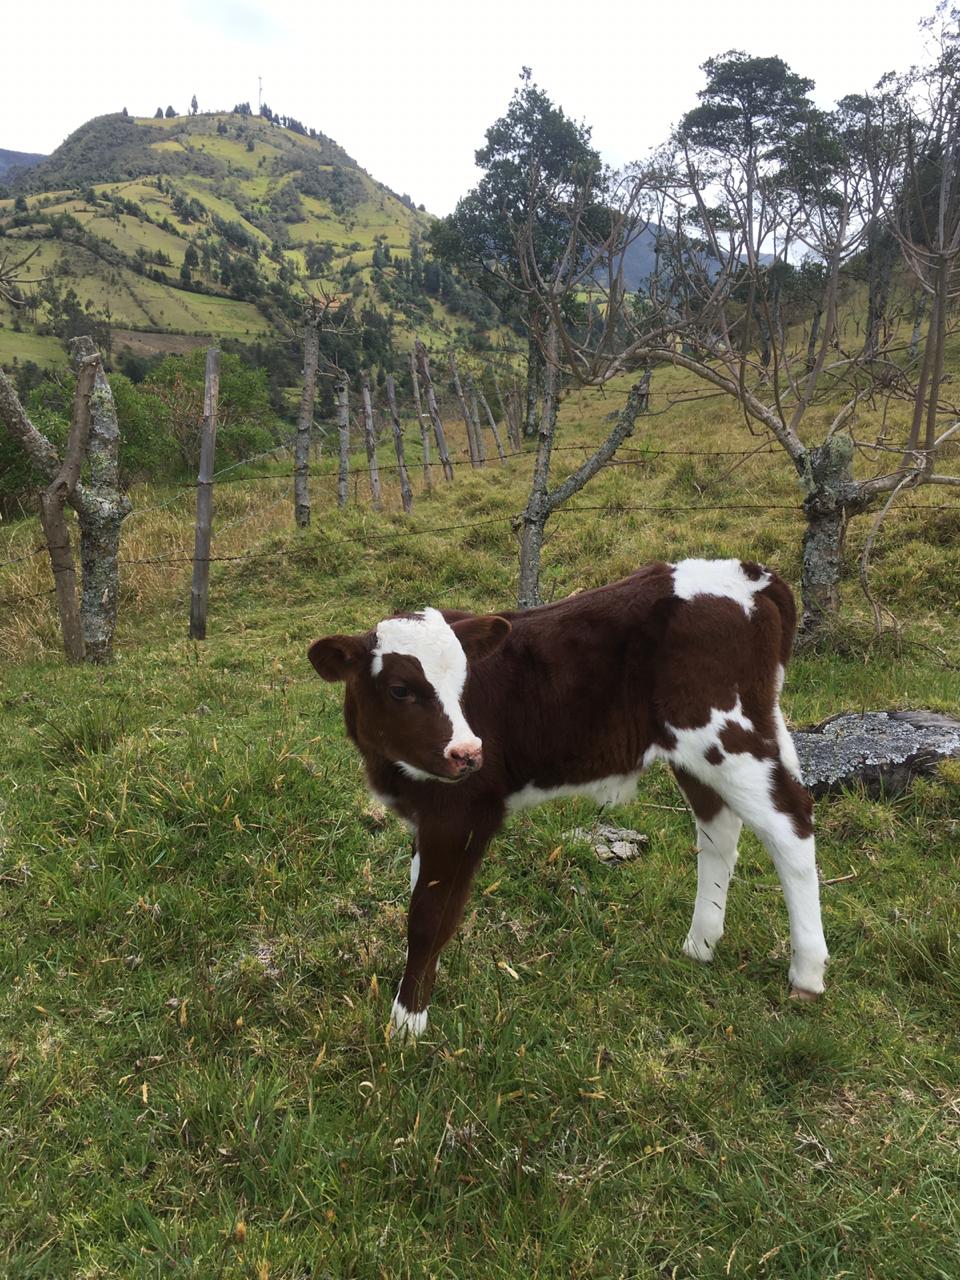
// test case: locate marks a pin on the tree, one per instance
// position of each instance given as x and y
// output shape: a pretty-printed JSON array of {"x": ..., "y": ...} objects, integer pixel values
[
  {"x": 754, "y": 175},
  {"x": 170, "y": 113},
  {"x": 535, "y": 157},
  {"x": 158, "y": 114},
  {"x": 194, "y": 106}
]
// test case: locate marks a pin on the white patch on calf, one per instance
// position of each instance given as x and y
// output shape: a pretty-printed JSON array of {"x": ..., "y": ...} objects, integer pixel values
[
  {"x": 430, "y": 639},
  {"x": 717, "y": 578},
  {"x": 619, "y": 788},
  {"x": 414, "y": 871},
  {"x": 407, "y": 1025},
  {"x": 745, "y": 784}
]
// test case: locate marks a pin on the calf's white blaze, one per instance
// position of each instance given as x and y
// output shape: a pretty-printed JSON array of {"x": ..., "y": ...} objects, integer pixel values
[
  {"x": 717, "y": 578},
  {"x": 430, "y": 639}
]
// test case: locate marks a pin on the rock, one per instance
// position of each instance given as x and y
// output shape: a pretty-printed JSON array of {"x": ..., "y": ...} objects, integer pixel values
[
  {"x": 610, "y": 844},
  {"x": 882, "y": 751}
]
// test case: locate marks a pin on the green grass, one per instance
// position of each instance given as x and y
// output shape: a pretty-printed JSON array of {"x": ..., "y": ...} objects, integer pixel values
[{"x": 201, "y": 932}]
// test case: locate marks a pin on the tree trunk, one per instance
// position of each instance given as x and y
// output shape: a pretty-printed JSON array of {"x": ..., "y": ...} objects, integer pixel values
[
  {"x": 101, "y": 509},
  {"x": 371, "y": 442},
  {"x": 421, "y": 423},
  {"x": 54, "y": 523},
  {"x": 204, "y": 530},
  {"x": 343, "y": 431},
  {"x": 534, "y": 368},
  {"x": 465, "y": 413},
  {"x": 881, "y": 256},
  {"x": 423, "y": 364},
  {"x": 814, "y": 335},
  {"x": 405, "y": 492},
  {"x": 831, "y": 488},
  {"x": 301, "y": 455},
  {"x": 543, "y": 502}
]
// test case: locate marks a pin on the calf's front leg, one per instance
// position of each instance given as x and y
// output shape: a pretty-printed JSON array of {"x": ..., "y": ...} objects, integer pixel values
[{"x": 446, "y": 857}]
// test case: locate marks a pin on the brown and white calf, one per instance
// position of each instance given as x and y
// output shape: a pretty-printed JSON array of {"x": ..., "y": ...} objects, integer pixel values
[{"x": 463, "y": 718}]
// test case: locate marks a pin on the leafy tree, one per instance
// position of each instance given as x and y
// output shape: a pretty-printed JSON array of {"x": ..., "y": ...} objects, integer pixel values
[
  {"x": 158, "y": 114},
  {"x": 247, "y": 421},
  {"x": 194, "y": 106},
  {"x": 170, "y": 113},
  {"x": 538, "y": 162}
]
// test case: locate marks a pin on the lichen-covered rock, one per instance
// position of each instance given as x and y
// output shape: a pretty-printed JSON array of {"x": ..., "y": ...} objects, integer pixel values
[{"x": 880, "y": 750}]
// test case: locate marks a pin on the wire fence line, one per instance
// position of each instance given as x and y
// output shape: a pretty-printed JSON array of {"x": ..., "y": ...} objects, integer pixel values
[{"x": 609, "y": 510}]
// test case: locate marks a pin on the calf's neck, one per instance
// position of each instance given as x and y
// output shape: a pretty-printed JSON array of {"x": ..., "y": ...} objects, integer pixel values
[{"x": 462, "y": 718}]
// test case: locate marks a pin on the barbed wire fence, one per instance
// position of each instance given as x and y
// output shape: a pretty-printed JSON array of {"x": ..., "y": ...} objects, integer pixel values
[{"x": 324, "y": 479}]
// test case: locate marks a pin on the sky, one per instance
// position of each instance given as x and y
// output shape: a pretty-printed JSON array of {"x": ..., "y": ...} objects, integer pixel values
[{"x": 409, "y": 89}]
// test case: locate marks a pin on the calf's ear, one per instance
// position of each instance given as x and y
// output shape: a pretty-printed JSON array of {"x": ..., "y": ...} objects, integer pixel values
[
  {"x": 337, "y": 657},
  {"x": 480, "y": 636}
]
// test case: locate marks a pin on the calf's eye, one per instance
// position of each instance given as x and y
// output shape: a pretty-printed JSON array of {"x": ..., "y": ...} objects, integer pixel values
[{"x": 400, "y": 692}]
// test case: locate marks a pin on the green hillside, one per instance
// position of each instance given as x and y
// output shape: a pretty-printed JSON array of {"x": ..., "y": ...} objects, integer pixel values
[{"x": 169, "y": 232}]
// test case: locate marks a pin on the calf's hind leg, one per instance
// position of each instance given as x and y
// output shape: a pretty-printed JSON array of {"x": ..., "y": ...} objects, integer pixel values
[{"x": 718, "y": 831}]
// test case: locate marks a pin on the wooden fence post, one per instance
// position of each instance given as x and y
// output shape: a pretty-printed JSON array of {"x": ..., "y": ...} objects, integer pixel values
[
  {"x": 301, "y": 454},
  {"x": 493, "y": 427},
  {"x": 201, "y": 545},
  {"x": 475, "y": 417},
  {"x": 423, "y": 364},
  {"x": 371, "y": 440},
  {"x": 506, "y": 410},
  {"x": 465, "y": 414},
  {"x": 421, "y": 423},
  {"x": 405, "y": 493},
  {"x": 343, "y": 431}
]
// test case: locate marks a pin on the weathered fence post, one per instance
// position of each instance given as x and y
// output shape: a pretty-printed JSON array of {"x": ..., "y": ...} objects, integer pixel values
[
  {"x": 472, "y": 443},
  {"x": 424, "y": 429},
  {"x": 371, "y": 441},
  {"x": 475, "y": 415},
  {"x": 505, "y": 412},
  {"x": 493, "y": 426},
  {"x": 423, "y": 364},
  {"x": 406, "y": 494},
  {"x": 52, "y": 518},
  {"x": 301, "y": 454},
  {"x": 343, "y": 431},
  {"x": 201, "y": 545}
]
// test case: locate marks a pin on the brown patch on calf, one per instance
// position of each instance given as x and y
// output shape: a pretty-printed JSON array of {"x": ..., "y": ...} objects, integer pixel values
[
  {"x": 791, "y": 797},
  {"x": 704, "y": 801},
  {"x": 713, "y": 755},
  {"x": 738, "y": 741}
]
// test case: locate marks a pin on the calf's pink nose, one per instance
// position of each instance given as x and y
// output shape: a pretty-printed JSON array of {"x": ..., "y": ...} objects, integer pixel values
[{"x": 467, "y": 756}]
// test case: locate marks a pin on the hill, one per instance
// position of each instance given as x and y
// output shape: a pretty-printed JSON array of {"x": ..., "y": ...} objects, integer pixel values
[
  {"x": 14, "y": 160},
  {"x": 169, "y": 232}
]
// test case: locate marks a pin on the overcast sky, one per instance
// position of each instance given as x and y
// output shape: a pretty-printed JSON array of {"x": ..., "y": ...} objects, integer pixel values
[{"x": 409, "y": 89}]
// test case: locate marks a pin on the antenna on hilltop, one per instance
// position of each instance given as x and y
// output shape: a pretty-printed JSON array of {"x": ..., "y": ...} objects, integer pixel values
[{"x": 259, "y": 93}]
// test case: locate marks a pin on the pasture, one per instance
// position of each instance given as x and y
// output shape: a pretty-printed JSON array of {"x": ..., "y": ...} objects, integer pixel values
[{"x": 202, "y": 926}]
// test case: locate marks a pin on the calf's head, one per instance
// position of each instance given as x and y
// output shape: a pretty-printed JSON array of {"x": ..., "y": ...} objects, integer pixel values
[{"x": 404, "y": 686}]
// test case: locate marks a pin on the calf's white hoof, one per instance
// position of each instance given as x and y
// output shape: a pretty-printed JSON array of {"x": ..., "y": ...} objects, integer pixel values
[
  {"x": 407, "y": 1026},
  {"x": 806, "y": 978},
  {"x": 699, "y": 948}
]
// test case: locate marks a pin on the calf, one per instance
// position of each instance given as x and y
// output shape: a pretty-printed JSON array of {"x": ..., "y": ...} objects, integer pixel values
[{"x": 461, "y": 719}]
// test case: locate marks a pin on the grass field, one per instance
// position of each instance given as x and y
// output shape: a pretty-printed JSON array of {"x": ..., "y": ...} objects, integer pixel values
[{"x": 202, "y": 927}]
